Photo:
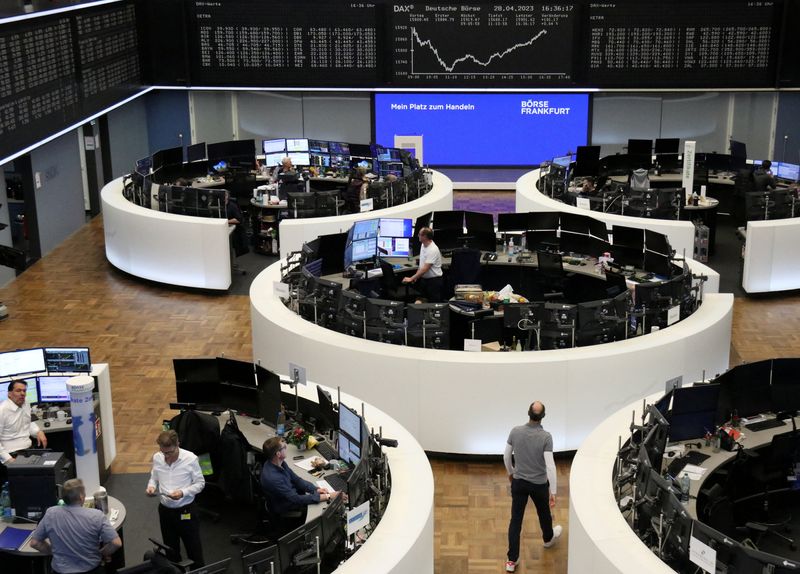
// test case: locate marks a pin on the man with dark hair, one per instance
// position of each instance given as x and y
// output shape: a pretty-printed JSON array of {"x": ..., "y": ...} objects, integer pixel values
[
  {"x": 74, "y": 534},
  {"x": 762, "y": 177},
  {"x": 288, "y": 495},
  {"x": 16, "y": 428},
  {"x": 429, "y": 273},
  {"x": 176, "y": 477},
  {"x": 531, "y": 475}
]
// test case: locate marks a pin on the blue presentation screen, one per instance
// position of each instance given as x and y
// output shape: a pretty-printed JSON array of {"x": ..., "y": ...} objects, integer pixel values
[{"x": 485, "y": 129}]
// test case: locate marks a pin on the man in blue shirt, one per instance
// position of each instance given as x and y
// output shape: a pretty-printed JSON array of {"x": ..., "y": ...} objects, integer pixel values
[
  {"x": 288, "y": 495},
  {"x": 79, "y": 538}
]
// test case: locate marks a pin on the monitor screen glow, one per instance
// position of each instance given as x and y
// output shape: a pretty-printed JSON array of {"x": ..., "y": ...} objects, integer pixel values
[
  {"x": 53, "y": 389},
  {"x": 19, "y": 362},
  {"x": 300, "y": 159},
  {"x": 273, "y": 146},
  {"x": 295, "y": 145}
]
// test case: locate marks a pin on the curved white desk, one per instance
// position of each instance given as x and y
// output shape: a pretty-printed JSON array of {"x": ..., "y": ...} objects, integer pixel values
[
  {"x": 459, "y": 402},
  {"x": 295, "y": 232},
  {"x": 770, "y": 256},
  {"x": 165, "y": 247},
  {"x": 680, "y": 233}
]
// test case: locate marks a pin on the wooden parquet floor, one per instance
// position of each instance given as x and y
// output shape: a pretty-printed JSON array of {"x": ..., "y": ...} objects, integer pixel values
[{"x": 75, "y": 297}]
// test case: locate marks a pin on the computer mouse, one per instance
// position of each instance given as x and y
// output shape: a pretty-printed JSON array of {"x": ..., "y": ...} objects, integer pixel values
[
  {"x": 69, "y": 421},
  {"x": 256, "y": 422},
  {"x": 47, "y": 424}
]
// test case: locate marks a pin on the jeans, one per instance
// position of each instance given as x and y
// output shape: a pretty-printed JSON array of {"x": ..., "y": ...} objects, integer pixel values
[{"x": 540, "y": 494}]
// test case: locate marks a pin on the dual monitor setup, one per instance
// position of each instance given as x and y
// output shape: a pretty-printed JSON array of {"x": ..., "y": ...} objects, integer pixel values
[{"x": 46, "y": 360}]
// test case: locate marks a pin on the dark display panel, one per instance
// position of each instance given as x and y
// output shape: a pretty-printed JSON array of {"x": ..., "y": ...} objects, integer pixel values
[
  {"x": 482, "y": 44},
  {"x": 57, "y": 70},
  {"x": 682, "y": 44},
  {"x": 247, "y": 43}
]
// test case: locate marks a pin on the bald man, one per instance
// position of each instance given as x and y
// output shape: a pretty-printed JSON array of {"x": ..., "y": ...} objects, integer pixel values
[{"x": 533, "y": 475}]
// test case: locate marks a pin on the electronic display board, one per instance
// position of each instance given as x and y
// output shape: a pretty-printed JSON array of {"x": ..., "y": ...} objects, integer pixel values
[
  {"x": 246, "y": 43},
  {"x": 482, "y": 44}
]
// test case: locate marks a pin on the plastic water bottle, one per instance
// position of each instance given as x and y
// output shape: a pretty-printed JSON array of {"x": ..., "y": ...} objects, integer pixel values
[
  {"x": 5, "y": 504},
  {"x": 685, "y": 484},
  {"x": 280, "y": 427}
]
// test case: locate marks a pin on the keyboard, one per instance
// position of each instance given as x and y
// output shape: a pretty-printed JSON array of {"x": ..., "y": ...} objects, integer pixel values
[
  {"x": 338, "y": 480},
  {"x": 692, "y": 457},
  {"x": 764, "y": 425},
  {"x": 326, "y": 451}
]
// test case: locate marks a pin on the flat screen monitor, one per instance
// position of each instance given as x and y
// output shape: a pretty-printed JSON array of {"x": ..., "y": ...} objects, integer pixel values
[
  {"x": 349, "y": 450},
  {"x": 395, "y": 227},
  {"x": 269, "y": 395},
  {"x": 657, "y": 242},
  {"x": 274, "y": 159},
  {"x": 67, "y": 360},
  {"x": 627, "y": 237},
  {"x": 658, "y": 264},
  {"x": 543, "y": 220},
  {"x": 394, "y": 246},
  {"x": 320, "y": 160},
  {"x": 234, "y": 153},
  {"x": 318, "y": 146},
  {"x": 563, "y": 160},
  {"x": 364, "y": 249},
  {"x": 170, "y": 157},
  {"x": 296, "y": 145},
  {"x": 32, "y": 390},
  {"x": 14, "y": 363},
  {"x": 350, "y": 423},
  {"x": 429, "y": 316},
  {"x": 738, "y": 149},
  {"x": 360, "y": 150},
  {"x": 667, "y": 146},
  {"x": 479, "y": 223},
  {"x": 196, "y": 152},
  {"x": 333, "y": 530},
  {"x": 300, "y": 158},
  {"x": 357, "y": 486},
  {"x": 366, "y": 229},
  {"x": 367, "y": 164},
  {"x": 587, "y": 160},
  {"x": 236, "y": 372},
  {"x": 745, "y": 389},
  {"x": 53, "y": 389},
  {"x": 513, "y": 221},
  {"x": 788, "y": 171},
  {"x": 243, "y": 399},
  {"x": 448, "y": 220},
  {"x": 694, "y": 411},
  {"x": 327, "y": 410},
  {"x": 273, "y": 146},
  {"x": 522, "y": 316},
  {"x": 640, "y": 148},
  {"x": 330, "y": 251},
  {"x": 575, "y": 223},
  {"x": 340, "y": 148},
  {"x": 299, "y": 544},
  {"x": 264, "y": 561},
  {"x": 144, "y": 165},
  {"x": 199, "y": 370}
]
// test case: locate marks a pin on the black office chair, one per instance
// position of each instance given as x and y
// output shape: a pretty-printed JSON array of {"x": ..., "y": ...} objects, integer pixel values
[
  {"x": 465, "y": 269},
  {"x": 392, "y": 287},
  {"x": 328, "y": 203}
]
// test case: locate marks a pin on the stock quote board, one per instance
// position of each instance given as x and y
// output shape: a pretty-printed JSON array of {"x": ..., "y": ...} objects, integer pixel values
[
  {"x": 482, "y": 44},
  {"x": 57, "y": 70},
  {"x": 246, "y": 43},
  {"x": 682, "y": 44}
]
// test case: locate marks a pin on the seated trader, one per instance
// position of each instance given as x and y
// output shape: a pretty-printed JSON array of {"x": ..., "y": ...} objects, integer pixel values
[
  {"x": 762, "y": 177},
  {"x": 430, "y": 268},
  {"x": 16, "y": 428},
  {"x": 235, "y": 217},
  {"x": 79, "y": 538},
  {"x": 287, "y": 495},
  {"x": 286, "y": 167}
]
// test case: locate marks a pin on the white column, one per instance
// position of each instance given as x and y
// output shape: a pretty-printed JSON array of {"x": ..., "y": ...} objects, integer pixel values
[{"x": 83, "y": 431}]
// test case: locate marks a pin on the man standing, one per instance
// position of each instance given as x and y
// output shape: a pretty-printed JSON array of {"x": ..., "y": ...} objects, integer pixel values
[
  {"x": 534, "y": 471},
  {"x": 79, "y": 538},
  {"x": 430, "y": 267},
  {"x": 16, "y": 428},
  {"x": 287, "y": 495},
  {"x": 176, "y": 477}
]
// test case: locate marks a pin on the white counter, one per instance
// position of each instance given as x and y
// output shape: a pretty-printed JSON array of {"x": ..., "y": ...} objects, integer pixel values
[
  {"x": 165, "y": 247},
  {"x": 459, "y": 402},
  {"x": 295, "y": 232},
  {"x": 770, "y": 259},
  {"x": 680, "y": 233}
]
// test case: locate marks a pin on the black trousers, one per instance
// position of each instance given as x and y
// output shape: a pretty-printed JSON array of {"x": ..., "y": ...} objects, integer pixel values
[
  {"x": 521, "y": 490},
  {"x": 431, "y": 288},
  {"x": 174, "y": 528}
]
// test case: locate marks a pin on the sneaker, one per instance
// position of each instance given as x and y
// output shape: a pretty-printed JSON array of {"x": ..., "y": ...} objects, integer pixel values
[
  {"x": 511, "y": 566},
  {"x": 556, "y": 533}
]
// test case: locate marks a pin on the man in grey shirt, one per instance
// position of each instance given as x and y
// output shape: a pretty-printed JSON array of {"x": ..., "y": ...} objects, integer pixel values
[
  {"x": 533, "y": 475},
  {"x": 80, "y": 539}
]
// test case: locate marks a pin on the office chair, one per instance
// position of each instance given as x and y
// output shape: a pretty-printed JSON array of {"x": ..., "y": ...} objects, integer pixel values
[
  {"x": 328, "y": 203},
  {"x": 639, "y": 180},
  {"x": 266, "y": 529},
  {"x": 391, "y": 287},
  {"x": 301, "y": 204},
  {"x": 465, "y": 269}
]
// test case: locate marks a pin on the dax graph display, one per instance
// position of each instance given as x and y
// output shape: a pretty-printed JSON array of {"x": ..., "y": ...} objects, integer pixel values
[{"x": 482, "y": 44}]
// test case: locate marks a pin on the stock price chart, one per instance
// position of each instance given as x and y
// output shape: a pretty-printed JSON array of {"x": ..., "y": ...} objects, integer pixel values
[
  {"x": 242, "y": 43},
  {"x": 696, "y": 44},
  {"x": 482, "y": 44}
]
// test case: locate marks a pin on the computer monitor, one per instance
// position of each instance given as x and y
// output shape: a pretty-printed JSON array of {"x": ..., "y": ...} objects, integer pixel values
[
  {"x": 67, "y": 360},
  {"x": 477, "y": 222},
  {"x": 274, "y": 159},
  {"x": 349, "y": 450},
  {"x": 340, "y": 148},
  {"x": 329, "y": 417},
  {"x": 216, "y": 568},
  {"x": 264, "y": 561},
  {"x": 357, "y": 485},
  {"x": 363, "y": 249},
  {"x": 196, "y": 152},
  {"x": 640, "y": 153},
  {"x": 428, "y": 316},
  {"x": 53, "y": 389},
  {"x": 32, "y": 390},
  {"x": 785, "y": 389},
  {"x": 448, "y": 220},
  {"x": 658, "y": 264},
  {"x": 662, "y": 404},
  {"x": 20, "y": 362},
  {"x": 366, "y": 229},
  {"x": 394, "y": 246},
  {"x": 350, "y": 423},
  {"x": 276, "y": 146},
  {"x": 657, "y": 242},
  {"x": 333, "y": 531},
  {"x": 627, "y": 237},
  {"x": 575, "y": 223},
  {"x": 384, "y": 313},
  {"x": 667, "y": 146},
  {"x": 198, "y": 370},
  {"x": 269, "y": 395},
  {"x": 560, "y": 315},
  {"x": 587, "y": 160},
  {"x": 236, "y": 372},
  {"x": 738, "y": 149},
  {"x": 298, "y": 548},
  {"x": 360, "y": 150},
  {"x": 725, "y": 547},
  {"x": 563, "y": 161},
  {"x": 301, "y": 159},
  {"x": 787, "y": 171},
  {"x": 330, "y": 249},
  {"x": 296, "y": 145},
  {"x": 513, "y": 221},
  {"x": 395, "y": 227},
  {"x": 746, "y": 390},
  {"x": 318, "y": 146},
  {"x": 694, "y": 411},
  {"x": 244, "y": 399},
  {"x": 170, "y": 157}
]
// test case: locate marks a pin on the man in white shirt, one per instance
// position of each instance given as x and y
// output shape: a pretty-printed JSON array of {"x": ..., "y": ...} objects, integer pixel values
[
  {"x": 429, "y": 273},
  {"x": 176, "y": 478},
  {"x": 16, "y": 428}
]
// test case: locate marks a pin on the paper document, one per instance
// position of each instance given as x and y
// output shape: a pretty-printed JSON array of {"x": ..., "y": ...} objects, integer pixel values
[
  {"x": 305, "y": 464},
  {"x": 324, "y": 484},
  {"x": 702, "y": 555},
  {"x": 695, "y": 472}
]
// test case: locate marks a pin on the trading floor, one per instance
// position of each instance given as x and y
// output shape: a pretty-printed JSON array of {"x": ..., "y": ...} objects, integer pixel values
[{"x": 74, "y": 296}]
